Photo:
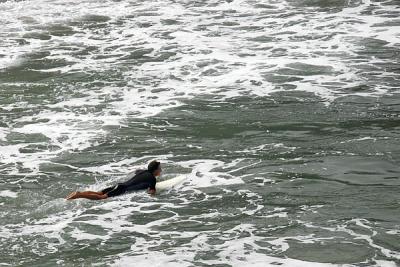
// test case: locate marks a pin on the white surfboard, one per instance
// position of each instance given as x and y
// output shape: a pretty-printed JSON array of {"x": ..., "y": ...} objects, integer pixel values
[{"x": 170, "y": 183}]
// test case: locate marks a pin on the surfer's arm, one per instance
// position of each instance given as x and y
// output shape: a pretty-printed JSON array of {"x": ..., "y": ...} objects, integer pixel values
[{"x": 152, "y": 187}]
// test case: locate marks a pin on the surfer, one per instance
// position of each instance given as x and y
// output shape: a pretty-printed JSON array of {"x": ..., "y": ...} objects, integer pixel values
[{"x": 143, "y": 179}]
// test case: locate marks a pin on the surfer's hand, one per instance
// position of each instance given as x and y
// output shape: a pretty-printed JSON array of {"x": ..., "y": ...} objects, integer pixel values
[{"x": 152, "y": 192}]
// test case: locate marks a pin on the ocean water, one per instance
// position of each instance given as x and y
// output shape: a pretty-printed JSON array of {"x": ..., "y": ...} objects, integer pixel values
[{"x": 284, "y": 115}]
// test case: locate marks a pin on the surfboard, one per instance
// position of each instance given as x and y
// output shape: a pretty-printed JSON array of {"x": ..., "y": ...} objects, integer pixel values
[{"x": 170, "y": 183}]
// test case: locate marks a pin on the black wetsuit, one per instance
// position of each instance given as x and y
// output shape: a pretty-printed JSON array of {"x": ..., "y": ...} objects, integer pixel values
[{"x": 143, "y": 179}]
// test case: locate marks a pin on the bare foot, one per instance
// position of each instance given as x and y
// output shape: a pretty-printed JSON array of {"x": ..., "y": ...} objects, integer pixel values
[{"x": 73, "y": 195}]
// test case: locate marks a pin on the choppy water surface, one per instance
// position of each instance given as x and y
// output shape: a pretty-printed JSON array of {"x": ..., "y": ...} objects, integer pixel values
[{"x": 284, "y": 115}]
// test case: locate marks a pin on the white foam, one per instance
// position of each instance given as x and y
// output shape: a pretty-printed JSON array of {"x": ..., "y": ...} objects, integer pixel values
[
  {"x": 202, "y": 174},
  {"x": 3, "y": 133},
  {"x": 235, "y": 252},
  {"x": 8, "y": 193},
  {"x": 359, "y": 139},
  {"x": 80, "y": 235}
]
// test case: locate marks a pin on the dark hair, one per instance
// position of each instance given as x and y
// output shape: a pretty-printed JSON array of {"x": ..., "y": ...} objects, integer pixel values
[{"x": 154, "y": 165}]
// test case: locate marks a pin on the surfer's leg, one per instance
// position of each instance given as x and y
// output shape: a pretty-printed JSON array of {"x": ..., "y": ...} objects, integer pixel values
[
  {"x": 108, "y": 192},
  {"x": 88, "y": 195},
  {"x": 74, "y": 194},
  {"x": 114, "y": 191}
]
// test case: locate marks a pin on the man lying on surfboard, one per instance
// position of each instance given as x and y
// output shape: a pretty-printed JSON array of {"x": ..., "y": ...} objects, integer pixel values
[{"x": 143, "y": 179}]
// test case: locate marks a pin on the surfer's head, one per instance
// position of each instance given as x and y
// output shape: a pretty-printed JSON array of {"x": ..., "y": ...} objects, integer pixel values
[{"x": 154, "y": 167}]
